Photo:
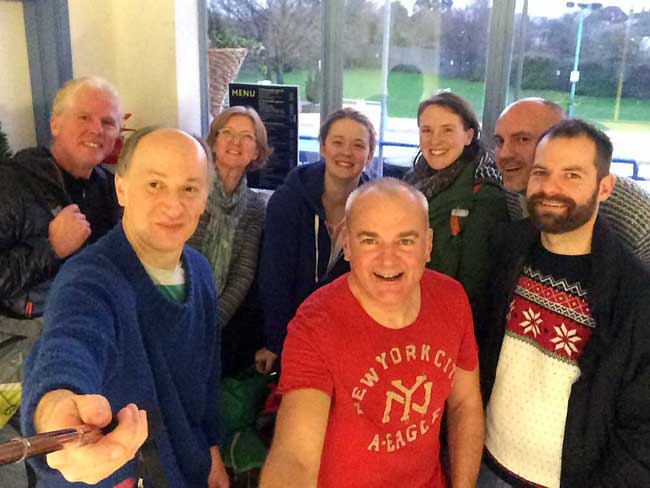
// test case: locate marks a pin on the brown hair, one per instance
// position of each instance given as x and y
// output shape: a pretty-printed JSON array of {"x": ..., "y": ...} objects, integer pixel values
[
  {"x": 264, "y": 151},
  {"x": 574, "y": 128},
  {"x": 460, "y": 107},
  {"x": 352, "y": 114}
]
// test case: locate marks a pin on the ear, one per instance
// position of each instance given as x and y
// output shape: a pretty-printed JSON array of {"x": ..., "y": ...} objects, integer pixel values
[
  {"x": 55, "y": 125},
  {"x": 322, "y": 149},
  {"x": 345, "y": 240},
  {"x": 429, "y": 238},
  {"x": 120, "y": 190},
  {"x": 371, "y": 154},
  {"x": 469, "y": 134},
  {"x": 605, "y": 187}
]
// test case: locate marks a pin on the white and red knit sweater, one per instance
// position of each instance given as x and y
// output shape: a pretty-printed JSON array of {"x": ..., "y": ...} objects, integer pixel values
[{"x": 548, "y": 325}]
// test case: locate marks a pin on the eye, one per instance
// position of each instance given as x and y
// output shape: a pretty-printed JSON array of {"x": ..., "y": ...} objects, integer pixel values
[
  {"x": 191, "y": 189},
  {"x": 498, "y": 142},
  {"x": 226, "y": 133},
  {"x": 154, "y": 185},
  {"x": 368, "y": 241},
  {"x": 406, "y": 241},
  {"x": 109, "y": 123},
  {"x": 84, "y": 117},
  {"x": 573, "y": 176},
  {"x": 537, "y": 172}
]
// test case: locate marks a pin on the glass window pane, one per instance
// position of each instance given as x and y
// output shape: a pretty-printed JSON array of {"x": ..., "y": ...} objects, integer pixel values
[
  {"x": 432, "y": 45},
  {"x": 594, "y": 60},
  {"x": 282, "y": 40}
]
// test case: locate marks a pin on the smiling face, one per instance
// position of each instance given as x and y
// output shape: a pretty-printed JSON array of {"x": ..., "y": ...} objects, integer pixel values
[
  {"x": 517, "y": 131},
  {"x": 442, "y": 136},
  {"x": 163, "y": 193},
  {"x": 84, "y": 132},
  {"x": 563, "y": 190},
  {"x": 235, "y": 145},
  {"x": 346, "y": 149},
  {"x": 387, "y": 241}
]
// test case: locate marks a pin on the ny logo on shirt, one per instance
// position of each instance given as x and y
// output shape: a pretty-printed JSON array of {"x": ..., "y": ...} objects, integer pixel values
[{"x": 404, "y": 396}]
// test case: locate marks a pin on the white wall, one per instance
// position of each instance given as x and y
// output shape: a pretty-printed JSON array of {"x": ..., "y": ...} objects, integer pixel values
[
  {"x": 16, "y": 112},
  {"x": 148, "y": 49}
]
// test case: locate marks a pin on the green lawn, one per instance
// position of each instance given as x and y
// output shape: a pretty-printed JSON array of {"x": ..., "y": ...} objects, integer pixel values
[{"x": 403, "y": 96}]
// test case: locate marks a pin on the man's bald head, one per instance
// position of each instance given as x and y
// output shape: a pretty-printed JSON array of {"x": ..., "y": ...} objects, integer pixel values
[
  {"x": 386, "y": 188},
  {"x": 517, "y": 131}
]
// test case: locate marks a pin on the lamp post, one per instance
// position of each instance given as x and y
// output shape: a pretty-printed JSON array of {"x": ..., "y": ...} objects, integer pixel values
[{"x": 574, "y": 77}]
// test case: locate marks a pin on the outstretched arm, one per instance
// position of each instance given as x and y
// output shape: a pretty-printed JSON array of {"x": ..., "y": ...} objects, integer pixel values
[
  {"x": 465, "y": 428},
  {"x": 294, "y": 459}
]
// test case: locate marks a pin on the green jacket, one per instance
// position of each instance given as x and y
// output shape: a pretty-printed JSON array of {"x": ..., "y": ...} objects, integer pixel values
[{"x": 460, "y": 242}]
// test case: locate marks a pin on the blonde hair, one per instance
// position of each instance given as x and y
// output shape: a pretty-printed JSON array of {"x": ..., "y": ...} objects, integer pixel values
[
  {"x": 69, "y": 88},
  {"x": 264, "y": 151}
]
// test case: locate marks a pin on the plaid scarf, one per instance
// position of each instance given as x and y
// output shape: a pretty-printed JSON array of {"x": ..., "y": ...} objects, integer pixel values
[{"x": 431, "y": 181}]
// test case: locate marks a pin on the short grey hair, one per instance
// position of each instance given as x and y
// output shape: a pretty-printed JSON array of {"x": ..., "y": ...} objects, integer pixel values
[
  {"x": 69, "y": 88},
  {"x": 126, "y": 153},
  {"x": 387, "y": 186}
]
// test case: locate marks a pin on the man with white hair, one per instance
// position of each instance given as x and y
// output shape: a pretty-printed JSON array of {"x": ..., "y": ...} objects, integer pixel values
[{"x": 54, "y": 201}]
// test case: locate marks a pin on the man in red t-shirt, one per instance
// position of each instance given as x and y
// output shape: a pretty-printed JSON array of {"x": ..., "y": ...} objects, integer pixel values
[{"x": 371, "y": 360}]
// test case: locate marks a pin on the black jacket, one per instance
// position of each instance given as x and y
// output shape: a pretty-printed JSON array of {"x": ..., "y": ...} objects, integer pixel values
[
  {"x": 32, "y": 190},
  {"x": 607, "y": 431}
]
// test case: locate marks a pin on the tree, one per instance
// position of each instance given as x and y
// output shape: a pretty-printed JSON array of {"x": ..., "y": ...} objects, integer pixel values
[
  {"x": 288, "y": 30},
  {"x": 422, "y": 5}
]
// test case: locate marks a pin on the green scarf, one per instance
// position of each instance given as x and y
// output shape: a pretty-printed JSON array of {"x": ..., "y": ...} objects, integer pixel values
[{"x": 225, "y": 212}]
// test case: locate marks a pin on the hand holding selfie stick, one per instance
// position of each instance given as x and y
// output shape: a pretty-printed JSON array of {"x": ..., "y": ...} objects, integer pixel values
[{"x": 21, "y": 448}]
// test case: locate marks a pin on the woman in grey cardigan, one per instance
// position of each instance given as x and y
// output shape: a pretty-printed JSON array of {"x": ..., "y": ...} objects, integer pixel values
[{"x": 229, "y": 232}]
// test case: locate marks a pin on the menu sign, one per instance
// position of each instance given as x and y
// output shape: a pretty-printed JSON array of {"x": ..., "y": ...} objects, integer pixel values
[{"x": 278, "y": 108}]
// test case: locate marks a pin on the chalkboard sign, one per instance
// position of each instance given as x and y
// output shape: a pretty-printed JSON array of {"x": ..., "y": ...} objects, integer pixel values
[{"x": 278, "y": 108}]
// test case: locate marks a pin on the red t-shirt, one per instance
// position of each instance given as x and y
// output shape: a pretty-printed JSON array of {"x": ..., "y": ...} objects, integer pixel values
[{"x": 388, "y": 386}]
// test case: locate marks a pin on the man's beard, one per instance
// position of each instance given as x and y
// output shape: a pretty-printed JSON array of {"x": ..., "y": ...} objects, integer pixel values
[{"x": 573, "y": 217}]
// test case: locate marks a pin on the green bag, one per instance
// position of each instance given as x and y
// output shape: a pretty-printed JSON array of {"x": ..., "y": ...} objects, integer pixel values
[{"x": 242, "y": 399}]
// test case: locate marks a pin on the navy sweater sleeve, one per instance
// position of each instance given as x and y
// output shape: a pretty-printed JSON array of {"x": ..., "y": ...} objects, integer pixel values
[
  {"x": 76, "y": 350},
  {"x": 278, "y": 266}
]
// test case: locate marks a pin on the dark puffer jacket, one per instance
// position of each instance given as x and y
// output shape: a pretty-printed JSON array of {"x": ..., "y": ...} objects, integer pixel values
[{"x": 32, "y": 190}]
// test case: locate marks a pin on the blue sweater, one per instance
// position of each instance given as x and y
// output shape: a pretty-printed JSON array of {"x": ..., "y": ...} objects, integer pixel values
[
  {"x": 296, "y": 249},
  {"x": 108, "y": 330}
]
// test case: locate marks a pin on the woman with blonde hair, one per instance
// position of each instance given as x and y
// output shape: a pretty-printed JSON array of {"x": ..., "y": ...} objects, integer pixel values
[{"x": 229, "y": 231}]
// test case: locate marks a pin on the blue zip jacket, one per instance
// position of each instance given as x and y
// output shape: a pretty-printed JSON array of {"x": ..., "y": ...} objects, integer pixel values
[{"x": 295, "y": 250}]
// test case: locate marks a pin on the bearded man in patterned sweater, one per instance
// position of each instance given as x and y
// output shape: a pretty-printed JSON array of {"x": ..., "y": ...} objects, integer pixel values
[{"x": 565, "y": 365}]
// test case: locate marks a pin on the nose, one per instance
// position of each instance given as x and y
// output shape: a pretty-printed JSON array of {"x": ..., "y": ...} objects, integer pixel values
[
  {"x": 504, "y": 150},
  {"x": 96, "y": 125},
  {"x": 172, "y": 205},
  {"x": 388, "y": 254}
]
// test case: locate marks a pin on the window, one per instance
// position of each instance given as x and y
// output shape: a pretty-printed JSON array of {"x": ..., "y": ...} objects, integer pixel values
[{"x": 594, "y": 60}]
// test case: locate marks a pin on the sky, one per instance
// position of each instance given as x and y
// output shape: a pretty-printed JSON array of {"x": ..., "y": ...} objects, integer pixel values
[{"x": 548, "y": 8}]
